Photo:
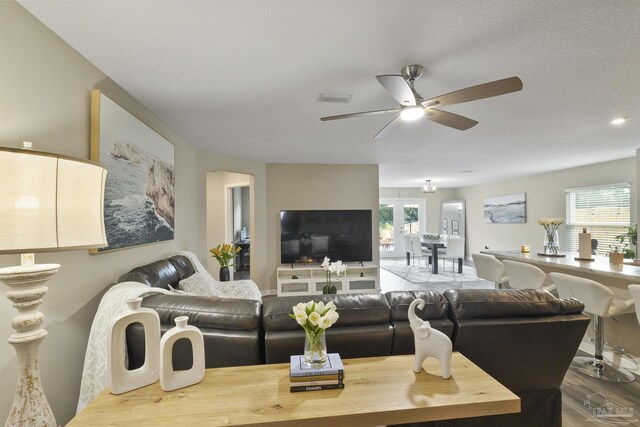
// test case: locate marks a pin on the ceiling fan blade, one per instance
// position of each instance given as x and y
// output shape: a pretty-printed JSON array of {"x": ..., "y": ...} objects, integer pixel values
[
  {"x": 363, "y": 113},
  {"x": 449, "y": 119},
  {"x": 398, "y": 88},
  {"x": 485, "y": 90},
  {"x": 389, "y": 128}
]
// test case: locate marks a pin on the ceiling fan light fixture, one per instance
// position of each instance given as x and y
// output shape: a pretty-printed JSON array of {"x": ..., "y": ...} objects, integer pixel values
[
  {"x": 428, "y": 188},
  {"x": 412, "y": 113}
]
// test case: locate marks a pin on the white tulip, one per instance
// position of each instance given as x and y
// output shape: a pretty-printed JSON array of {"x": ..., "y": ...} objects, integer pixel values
[
  {"x": 314, "y": 318},
  {"x": 300, "y": 308},
  {"x": 302, "y": 320},
  {"x": 324, "y": 322},
  {"x": 320, "y": 307},
  {"x": 333, "y": 316}
]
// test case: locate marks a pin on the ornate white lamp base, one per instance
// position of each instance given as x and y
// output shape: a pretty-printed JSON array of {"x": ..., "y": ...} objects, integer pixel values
[{"x": 26, "y": 291}]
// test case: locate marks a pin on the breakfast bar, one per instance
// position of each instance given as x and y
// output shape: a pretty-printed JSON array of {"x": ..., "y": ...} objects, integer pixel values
[{"x": 624, "y": 330}]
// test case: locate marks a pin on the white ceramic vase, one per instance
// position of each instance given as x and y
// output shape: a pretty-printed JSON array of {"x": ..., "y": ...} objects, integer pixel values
[
  {"x": 122, "y": 379},
  {"x": 170, "y": 379}
]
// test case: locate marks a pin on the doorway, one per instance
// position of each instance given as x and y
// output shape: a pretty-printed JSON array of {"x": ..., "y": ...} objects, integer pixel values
[
  {"x": 238, "y": 227},
  {"x": 229, "y": 219},
  {"x": 397, "y": 218}
]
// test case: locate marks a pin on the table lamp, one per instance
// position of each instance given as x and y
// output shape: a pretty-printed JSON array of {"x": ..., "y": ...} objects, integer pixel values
[{"x": 47, "y": 203}]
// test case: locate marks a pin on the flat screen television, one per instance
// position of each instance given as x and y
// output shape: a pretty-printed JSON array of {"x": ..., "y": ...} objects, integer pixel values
[{"x": 307, "y": 236}]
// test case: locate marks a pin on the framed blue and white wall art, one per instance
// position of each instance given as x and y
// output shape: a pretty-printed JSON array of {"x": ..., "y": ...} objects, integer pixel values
[
  {"x": 139, "y": 200},
  {"x": 511, "y": 208}
]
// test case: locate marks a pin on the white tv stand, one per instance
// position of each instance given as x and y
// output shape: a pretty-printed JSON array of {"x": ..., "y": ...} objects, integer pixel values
[{"x": 309, "y": 279}]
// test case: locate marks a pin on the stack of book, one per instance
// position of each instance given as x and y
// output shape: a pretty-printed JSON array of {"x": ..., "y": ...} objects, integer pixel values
[{"x": 328, "y": 377}]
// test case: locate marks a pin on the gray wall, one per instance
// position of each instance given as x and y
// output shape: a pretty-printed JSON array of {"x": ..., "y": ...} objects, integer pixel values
[
  {"x": 314, "y": 186},
  {"x": 45, "y": 98}
]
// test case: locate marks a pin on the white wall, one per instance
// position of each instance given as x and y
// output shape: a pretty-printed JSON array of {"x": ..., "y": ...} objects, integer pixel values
[
  {"x": 45, "y": 88},
  {"x": 545, "y": 196},
  {"x": 313, "y": 186}
]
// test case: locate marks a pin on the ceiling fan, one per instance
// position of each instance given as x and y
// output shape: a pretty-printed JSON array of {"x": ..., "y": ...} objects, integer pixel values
[{"x": 413, "y": 106}]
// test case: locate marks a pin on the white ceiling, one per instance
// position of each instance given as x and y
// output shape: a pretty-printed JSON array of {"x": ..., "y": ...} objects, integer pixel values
[{"x": 241, "y": 78}]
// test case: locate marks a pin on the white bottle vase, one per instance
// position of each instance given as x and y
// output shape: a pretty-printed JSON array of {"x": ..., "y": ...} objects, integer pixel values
[
  {"x": 122, "y": 379},
  {"x": 170, "y": 379}
]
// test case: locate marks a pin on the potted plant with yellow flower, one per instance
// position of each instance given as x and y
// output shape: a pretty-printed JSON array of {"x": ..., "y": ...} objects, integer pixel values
[{"x": 224, "y": 253}]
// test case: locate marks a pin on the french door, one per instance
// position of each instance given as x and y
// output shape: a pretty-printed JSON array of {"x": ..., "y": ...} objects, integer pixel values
[{"x": 397, "y": 218}]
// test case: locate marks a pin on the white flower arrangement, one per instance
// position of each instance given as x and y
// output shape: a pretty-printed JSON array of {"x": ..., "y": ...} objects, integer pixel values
[
  {"x": 550, "y": 227},
  {"x": 315, "y": 317},
  {"x": 338, "y": 268},
  {"x": 334, "y": 267},
  {"x": 550, "y": 221}
]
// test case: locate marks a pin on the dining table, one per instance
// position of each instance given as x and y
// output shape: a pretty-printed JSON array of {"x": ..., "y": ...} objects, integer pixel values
[{"x": 433, "y": 245}]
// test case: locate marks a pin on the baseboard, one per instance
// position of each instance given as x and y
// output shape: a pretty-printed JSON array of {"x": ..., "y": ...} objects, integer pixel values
[{"x": 627, "y": 361}]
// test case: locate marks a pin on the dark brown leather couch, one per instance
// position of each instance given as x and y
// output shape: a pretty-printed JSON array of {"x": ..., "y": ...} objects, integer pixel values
[
  {"x": 523, "y": 338},
  {"x": 365, "y": 327},
  {"x": 232, "y": 329}
]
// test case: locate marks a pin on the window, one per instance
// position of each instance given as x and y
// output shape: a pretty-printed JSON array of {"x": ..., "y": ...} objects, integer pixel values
[{"x": 604, "y": 210}]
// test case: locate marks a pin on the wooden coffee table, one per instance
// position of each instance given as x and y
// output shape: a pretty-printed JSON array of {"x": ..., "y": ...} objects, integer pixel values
[{"x": 378, "y": 390}]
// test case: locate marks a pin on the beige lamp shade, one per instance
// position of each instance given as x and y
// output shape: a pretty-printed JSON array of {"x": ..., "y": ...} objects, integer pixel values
[{"x": 50, "y": 202}]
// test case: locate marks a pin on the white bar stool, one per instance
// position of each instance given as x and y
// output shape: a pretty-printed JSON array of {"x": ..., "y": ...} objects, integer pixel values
[
  {"x": 525, "y": 276},
  {"x": 634, "y": 290},
  {"x": 599, "y": 301},
  {"x": 489, "y": 268}
]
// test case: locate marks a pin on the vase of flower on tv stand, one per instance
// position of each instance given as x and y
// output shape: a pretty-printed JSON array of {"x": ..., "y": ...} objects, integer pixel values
[
  {"x": 329, "y": 289},
  {"x": 225, "y": 276}
]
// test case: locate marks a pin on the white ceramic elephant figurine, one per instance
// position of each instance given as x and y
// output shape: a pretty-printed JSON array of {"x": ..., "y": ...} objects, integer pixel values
[{"x": 429, "y": 342}]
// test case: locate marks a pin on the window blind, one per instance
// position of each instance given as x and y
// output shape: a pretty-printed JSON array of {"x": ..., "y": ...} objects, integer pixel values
[{"x": 604, "y": 210}]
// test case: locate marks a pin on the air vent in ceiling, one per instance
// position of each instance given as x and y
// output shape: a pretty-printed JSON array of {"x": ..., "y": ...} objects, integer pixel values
[{"x": 343, "y": 98}]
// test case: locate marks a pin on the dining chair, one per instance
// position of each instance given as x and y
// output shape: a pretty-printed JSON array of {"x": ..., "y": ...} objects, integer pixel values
[
  {"x": 454, "y": 250},
  {"x": 412, "y": 248},
  {"x": 418, "y": 250},
  {"x": 489, "y": 268},
  {"x": 525, "y": 276},
  {"x": 407, "y": 244},
  {"x": 599, "y": 301}
]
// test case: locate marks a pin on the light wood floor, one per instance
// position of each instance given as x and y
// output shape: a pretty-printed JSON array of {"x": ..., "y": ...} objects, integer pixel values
[{"x": 579, "y": 392}]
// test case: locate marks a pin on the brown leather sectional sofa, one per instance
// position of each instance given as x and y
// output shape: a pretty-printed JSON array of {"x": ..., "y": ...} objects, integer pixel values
[{"x": 523, "y": 338}]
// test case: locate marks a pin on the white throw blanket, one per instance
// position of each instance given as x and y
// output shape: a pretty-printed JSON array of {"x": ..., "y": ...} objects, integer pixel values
[
  {"x": 243, "y": 289},
  {"x": 95, "y": 372}
]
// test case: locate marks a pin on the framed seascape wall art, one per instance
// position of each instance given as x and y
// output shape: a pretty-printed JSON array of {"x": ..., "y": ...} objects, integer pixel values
[
  {"x": 511, "y": 208},
  {"x": 139, "y": 199}
]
